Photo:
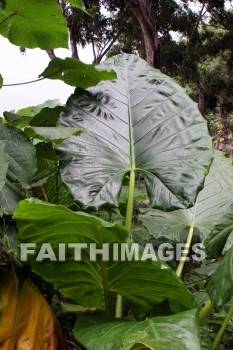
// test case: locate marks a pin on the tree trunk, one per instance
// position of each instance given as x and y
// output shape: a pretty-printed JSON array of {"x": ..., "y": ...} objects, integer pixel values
[
  {"x": 144, "y": 13},
  {"x": 201, "y": 98}
]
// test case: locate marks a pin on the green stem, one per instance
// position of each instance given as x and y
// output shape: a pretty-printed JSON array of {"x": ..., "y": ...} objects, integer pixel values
[
  {"x": 205, "y": 311},
  {"x": 106, "y": 289},
  {"x": 223, "y": 327},
  {"x": 129, "y": 212},
  {"x": 128, "y": 224},
  {"x": 185, "y": 254}
]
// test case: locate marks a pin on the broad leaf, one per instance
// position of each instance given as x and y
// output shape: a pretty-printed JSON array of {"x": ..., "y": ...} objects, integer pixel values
[
  {"x": 47, "y": 117},
  {"x": 21, "y": 154},
  {"x": 33, "y": 24},
  {"x": 76, "y": 73},
  {"x": 220, "y": 287},
  {"x": 141, "y": 121},
  {"x": 54, "y": 134},
  {"x": 4, "y": 161},
  {"x": 145, "y": 285},
  {"x": 216, "y": 240},
  {"x": 211, "y": 204},
  {"x": 16, "y": 119},
  {"x": 177, "y": 332},
  {"x": 35, "y": 115},
  {"x": 26, "y": 319}
]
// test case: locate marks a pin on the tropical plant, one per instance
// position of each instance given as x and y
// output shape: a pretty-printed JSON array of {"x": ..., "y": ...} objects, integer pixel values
[{"x": 135, "y": 128}]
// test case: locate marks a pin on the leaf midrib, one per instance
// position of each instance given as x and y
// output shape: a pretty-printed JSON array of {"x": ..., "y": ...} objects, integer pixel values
[{"x": 131, "y": 138}]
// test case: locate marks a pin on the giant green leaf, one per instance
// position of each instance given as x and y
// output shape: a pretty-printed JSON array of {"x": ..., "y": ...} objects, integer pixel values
[
  {"x": 21, "y": 154},
  {"x": 220, "y": 287},
  {"x": 145, "y": 285},
  {"x": 211, "y": 204},
  {"x": 177, "y": 332},
  {"x": 33, "y": 24},
  {"x": 76, "y": 73},
  {"x": 4, "y": 161},
  {"x": 142, "y": 121}
]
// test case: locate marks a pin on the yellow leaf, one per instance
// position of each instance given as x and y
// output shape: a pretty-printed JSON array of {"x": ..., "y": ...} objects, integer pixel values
[{"x": 26, "y": 320}]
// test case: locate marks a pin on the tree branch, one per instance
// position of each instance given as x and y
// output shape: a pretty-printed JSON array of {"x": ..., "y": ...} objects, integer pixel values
[{"x": 201, "y": 14}]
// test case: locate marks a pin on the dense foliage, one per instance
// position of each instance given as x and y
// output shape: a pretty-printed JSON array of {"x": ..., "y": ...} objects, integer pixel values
[{"x": 127, "y": 161}]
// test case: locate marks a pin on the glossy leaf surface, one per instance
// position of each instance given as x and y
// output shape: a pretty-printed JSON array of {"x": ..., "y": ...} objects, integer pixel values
[{"x": 141, "y": 121}]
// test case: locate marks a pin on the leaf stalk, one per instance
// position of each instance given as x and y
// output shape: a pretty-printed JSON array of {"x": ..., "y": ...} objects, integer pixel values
[
  {"x": 128, "y": 224},
  {"x": 223, "y": 327}
]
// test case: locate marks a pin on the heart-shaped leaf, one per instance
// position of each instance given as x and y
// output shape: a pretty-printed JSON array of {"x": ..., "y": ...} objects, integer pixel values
[
  {"x": 145, "y": 285},
  {"x": 177, "y": 332},
  {"x": 142, "y": 121},
  {"x": 76, "y": 73}
]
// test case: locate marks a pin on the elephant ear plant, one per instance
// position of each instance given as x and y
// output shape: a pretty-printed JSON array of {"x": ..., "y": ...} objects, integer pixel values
[{"x": 140, "y": 124}]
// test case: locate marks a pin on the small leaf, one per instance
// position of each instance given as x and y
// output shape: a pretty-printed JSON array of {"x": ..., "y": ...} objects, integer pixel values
[
  {"x": 17, "y": 120},
  {"x": 34, "y": 24},
  {"x": 76, "y": 73},
  {"x": 220, "y": 287},
  {"x": 47, "y": 117},
  {"x": 32, "y": 111},
  {"x": 78, "y": 3},
  {"x": 177, "y": 332},
  {"x": 54, "y": 134}
]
